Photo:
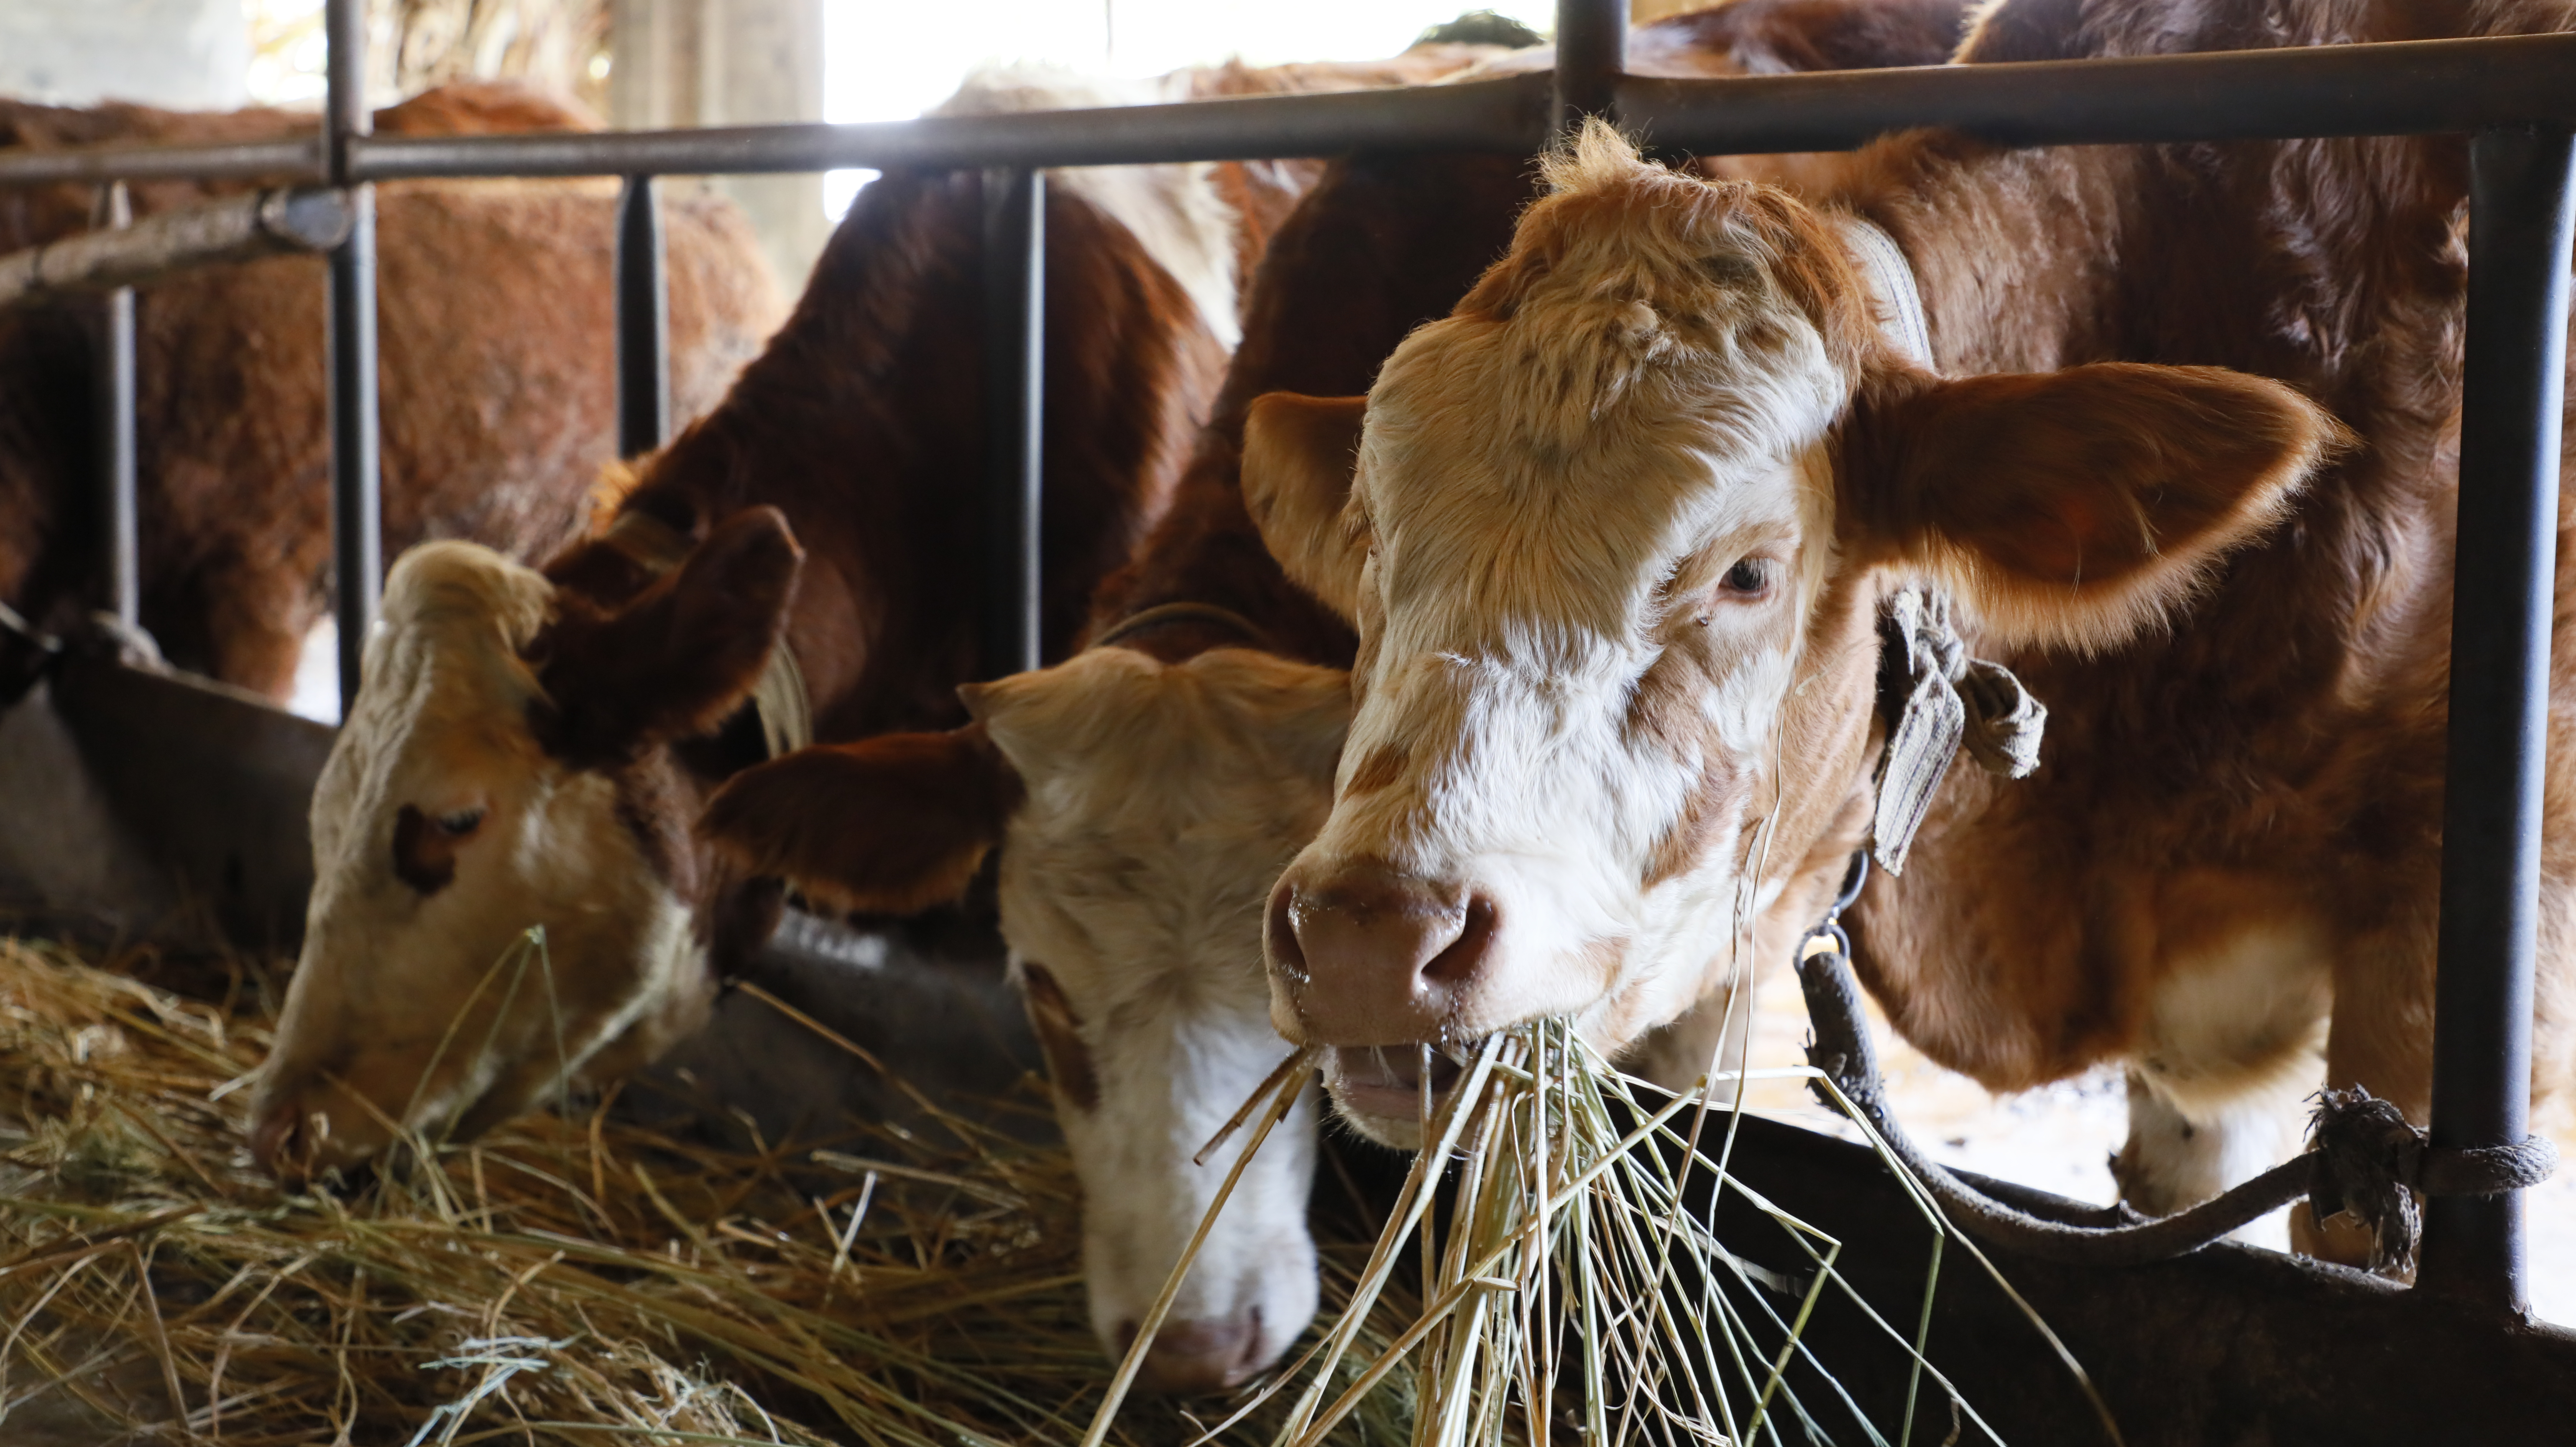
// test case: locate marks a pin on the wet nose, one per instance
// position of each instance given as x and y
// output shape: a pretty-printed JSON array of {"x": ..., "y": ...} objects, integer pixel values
[
  {"x": 1192, "y": 1358},
  {"x": 1374, "y": 957}
]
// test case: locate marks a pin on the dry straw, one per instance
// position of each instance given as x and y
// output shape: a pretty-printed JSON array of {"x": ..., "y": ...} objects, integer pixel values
[
  {"x": 575, "y": 1278},
  {"x": 569, "y": 1279},
  {"x": 1577, "y": 1289}
]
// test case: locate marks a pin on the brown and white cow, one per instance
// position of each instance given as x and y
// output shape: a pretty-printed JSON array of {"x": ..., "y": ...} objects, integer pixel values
[
  {"x": 1616, "y": 534},
  {"x": 529, "y": 747},
  {"x": 498, "y": 391},
  {"x": 1144, "y": 794}
]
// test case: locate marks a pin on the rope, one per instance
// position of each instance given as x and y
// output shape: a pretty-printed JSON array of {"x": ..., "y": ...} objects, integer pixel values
[
  {"x": 1938, "y": 699},
  {"x": 2366, "y": 1159}
]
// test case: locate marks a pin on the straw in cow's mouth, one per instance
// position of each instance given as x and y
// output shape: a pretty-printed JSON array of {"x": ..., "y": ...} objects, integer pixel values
[{"x": 1390, "y": 1080}]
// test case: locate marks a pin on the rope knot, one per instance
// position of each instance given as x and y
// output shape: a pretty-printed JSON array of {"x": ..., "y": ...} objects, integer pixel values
[
  {"x": 2372, "y": 1164},
  {"x": 1936, "y": 698},
  {"x": 2367, "y": 1159}
]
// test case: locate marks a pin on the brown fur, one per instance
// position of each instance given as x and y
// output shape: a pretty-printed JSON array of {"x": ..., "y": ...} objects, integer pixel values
[
  {"x": 497, "y": 391},
  {"x": 2281, "y": 748},
  {"x": 863, "y": 418},
  {"x": 888, "y": 825}
]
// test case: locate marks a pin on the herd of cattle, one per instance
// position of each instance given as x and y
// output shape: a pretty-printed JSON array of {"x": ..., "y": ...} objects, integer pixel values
[{"x": 1464, "y": 583}]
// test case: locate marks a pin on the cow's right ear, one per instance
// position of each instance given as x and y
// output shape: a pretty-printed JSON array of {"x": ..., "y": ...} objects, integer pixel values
[
  {"x": 1299, "y": 453},
  {"x": 679, "y": 657},
  {"x": 888, "y": 825}
]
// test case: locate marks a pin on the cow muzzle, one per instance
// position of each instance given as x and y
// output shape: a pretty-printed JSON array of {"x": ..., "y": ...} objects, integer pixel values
[{"x": 1364, "y": 955}]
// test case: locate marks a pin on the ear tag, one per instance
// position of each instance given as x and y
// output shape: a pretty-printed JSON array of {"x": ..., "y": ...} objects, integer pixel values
[{"x": 1936, "y": 698}]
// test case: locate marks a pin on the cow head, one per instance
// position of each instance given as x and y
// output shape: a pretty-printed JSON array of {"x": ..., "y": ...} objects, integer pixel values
[
  {"x": 1613, "y": 536},
  {"x": 506, "y": 766},
  {"x": 1142, "y": 810}
]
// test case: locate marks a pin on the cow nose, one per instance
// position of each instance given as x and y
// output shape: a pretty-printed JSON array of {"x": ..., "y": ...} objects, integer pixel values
[
  {"x": 1373, "y": 957},
  {"x": 1193, "y": 1358},
  {"x": 279, "y": 1140}
]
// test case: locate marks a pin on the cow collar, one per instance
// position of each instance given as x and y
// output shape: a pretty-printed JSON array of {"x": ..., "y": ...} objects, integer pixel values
[
  {"x": 1891, "y": 282},
  {"x": 1162, "y": 614},
  {"x": 778, "y": 698}
]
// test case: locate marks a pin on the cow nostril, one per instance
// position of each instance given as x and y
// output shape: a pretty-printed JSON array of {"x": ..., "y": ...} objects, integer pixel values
[
  {"x": 1188, "y": 1358},
  {"x": 1463, "y": 958},
  {"x": 1279, "y": 934}
]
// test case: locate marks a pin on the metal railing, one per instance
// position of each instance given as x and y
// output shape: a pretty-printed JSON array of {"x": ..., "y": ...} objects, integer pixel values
[{"x": 2514, "y": 97}]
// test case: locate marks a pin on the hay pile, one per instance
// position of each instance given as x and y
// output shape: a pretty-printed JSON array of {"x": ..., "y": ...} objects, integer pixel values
[{"x": 571, "y": 1280}]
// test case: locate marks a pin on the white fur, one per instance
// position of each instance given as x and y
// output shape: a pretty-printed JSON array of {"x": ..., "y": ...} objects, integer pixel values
[
  {"x": 2234, "y": 1045},
  {"x": 1161, "y": 804},
  {"x": 1173, "y": 210}
]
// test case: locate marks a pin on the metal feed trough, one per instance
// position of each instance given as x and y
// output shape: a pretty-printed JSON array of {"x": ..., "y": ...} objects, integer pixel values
[{"x": 2228, "y": 1343}]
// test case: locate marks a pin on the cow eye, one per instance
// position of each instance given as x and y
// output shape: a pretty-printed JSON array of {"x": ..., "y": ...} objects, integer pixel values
[
  {"x": 1749, "y": 577},
  {"x": 456, "y": 824}
]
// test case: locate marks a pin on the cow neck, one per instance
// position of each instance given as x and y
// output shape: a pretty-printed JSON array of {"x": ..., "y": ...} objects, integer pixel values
[{"x": 778, "y": 698}]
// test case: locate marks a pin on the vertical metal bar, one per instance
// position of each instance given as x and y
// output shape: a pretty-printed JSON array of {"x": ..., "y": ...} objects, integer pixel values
[
  {"x": 118, "y": 529},
  {"x": 1591, "y": 51},
  {"x": 357, "y": 533},
  {"x": 2501, "y": 609},
  {"x": 643, "y": 324},
  {"x": 1014, "y": 415}
]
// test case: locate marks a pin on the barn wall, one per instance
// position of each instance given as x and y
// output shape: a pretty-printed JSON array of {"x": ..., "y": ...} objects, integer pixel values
[
  {"x": 730, "y": 63},
  {"x": 186, "y": 54}
]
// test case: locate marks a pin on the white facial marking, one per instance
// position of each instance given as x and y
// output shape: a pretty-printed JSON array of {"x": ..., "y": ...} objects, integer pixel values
[{"x": 1161, "y": 803}]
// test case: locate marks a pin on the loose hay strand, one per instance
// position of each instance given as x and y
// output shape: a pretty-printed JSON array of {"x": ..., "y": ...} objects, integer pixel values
[{"x": 679, "y": 1292}]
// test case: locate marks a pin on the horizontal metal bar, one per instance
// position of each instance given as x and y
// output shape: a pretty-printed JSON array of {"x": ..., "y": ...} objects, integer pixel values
[
  {"x": 2396, "y": 88},
  {"x": 2416, "y": 87},
  {"x": 1497, "y": 115},
  {"x": 262, "y": 223},
  {"x": 284, "y": 161}
]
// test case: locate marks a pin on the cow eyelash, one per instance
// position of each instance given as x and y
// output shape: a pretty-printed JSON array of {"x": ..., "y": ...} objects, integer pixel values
[
  {"x": 458, "y": 823},
  {"x": 1750, "y": 577}
]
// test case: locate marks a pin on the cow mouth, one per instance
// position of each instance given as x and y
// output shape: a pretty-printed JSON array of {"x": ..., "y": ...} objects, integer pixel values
[{"x": 1386, "y": 1082}]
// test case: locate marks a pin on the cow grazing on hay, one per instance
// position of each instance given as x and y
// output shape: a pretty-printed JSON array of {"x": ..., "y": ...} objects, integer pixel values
[
  {"x": 529, "y": 748},
  {"x": 1617, "y": 535},
  {"x": 1144, "y": 795},
  {"x": 498, "y": 392}
]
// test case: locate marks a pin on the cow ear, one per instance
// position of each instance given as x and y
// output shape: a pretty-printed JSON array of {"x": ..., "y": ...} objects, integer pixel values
[
  {"x": 2072, "y": 508},
  {"x": 679, "y": 658},
  {"x": 888, "y": 825},
  {"x": 1298, "y": 456}
]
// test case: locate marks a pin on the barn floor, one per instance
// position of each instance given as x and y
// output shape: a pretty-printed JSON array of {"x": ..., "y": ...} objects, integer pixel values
[{"x": 2060, "y": 1137}]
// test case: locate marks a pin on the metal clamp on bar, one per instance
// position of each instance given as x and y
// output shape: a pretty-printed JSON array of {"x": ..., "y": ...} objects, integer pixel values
[{"x": 264, "y": 223}]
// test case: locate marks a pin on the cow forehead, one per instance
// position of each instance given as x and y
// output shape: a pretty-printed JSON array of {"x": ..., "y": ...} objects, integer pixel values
[
  {"x": 1556, "y": 451},
  {"x": 445, "y": 689},
  {"x": 1161, "y": 802}
]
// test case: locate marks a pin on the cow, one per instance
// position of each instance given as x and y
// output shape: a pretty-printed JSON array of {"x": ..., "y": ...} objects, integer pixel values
[
  {"x": 1143, "y": 795},
  {"x": 498, "y": 395},
  {"x": 529, "y": 746},
  {"x": 1616, "y": 536}
]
